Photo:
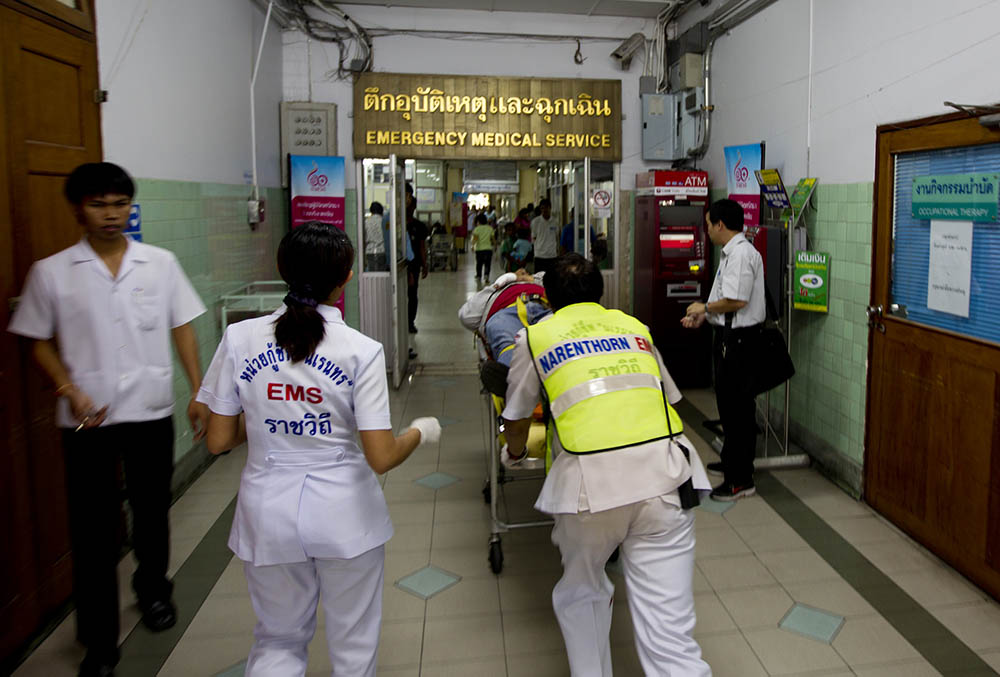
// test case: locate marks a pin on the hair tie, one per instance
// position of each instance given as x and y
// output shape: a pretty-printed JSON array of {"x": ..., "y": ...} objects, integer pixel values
[{"x": 300, "y": 300}]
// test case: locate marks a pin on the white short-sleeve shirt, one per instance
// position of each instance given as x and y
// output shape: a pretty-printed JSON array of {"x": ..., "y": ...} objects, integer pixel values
[
  {"x": 545, "y": 237},
  {"x": 740, "y": 277},
  {"x": 113, "y": 332},
  {"x": 596, "y": 482},
  {"x": 307, "y": 489}
]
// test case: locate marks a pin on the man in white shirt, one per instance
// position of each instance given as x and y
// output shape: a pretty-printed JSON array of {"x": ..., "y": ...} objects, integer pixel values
[
  {"x": 545, "y": 237},
  {"x": 627, "y": 496},
  {"x": 101, "y": 315},
  {"x": 736, "y": 307}
]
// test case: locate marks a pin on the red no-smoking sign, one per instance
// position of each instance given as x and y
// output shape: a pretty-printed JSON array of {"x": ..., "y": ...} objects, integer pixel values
[{"x": 602, "y": 198}]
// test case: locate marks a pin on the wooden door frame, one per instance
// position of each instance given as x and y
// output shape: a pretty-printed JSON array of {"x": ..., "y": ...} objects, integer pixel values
[
  {"x": 79, "y": 22},
  {"x": 953, "y": 130}
]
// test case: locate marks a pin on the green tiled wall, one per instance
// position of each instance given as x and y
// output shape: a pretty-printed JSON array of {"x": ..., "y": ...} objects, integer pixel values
[
  {"x": 830, "y": 349},
  {"x": 204, "y": 225}
]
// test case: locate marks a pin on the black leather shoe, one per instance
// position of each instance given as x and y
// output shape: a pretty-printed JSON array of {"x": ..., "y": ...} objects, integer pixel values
[
  {"x": 159, "y": 616},
  {"x": 96, "y": 668}
]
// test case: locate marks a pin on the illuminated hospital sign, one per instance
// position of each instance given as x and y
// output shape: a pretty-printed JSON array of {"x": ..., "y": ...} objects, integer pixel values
[{"x": 471, "y": 117}]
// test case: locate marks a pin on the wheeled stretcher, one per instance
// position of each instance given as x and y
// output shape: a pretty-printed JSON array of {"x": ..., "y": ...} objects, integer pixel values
[{"x": 493, "y": 377}]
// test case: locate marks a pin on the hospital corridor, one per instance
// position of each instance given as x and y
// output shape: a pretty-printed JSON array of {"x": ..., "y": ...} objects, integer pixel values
[
  {"x": 499, "y": 338},
  {"x": 800, "y": 579}
]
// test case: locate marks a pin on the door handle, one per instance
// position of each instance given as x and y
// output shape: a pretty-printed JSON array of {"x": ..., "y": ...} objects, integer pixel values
[{"x": 874, "y": 314}]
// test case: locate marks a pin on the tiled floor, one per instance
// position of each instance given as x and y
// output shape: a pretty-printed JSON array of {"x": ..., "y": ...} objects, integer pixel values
[{"x": 753, "y": 566}]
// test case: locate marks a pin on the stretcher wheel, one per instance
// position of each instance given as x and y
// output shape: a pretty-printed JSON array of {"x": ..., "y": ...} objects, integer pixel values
[
  {"x": 487, "y": 494},
  {"x": 496, "y": 556}
]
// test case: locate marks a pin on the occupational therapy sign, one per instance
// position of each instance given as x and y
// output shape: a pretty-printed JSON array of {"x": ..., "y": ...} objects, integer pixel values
[
  {"x": 956, "y": 197},
  {"x": 480, "y": 117}
]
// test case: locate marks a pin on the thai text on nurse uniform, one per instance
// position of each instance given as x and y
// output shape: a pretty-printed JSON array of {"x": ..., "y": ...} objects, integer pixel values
[{"x": 311, "y": 521}]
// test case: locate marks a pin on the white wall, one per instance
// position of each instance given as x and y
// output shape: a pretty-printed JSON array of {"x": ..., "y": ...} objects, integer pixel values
[
  {"x": 307, "y": 62},
  {"x": 178, "y": 75},
  {"x": 872, "y": 63}
]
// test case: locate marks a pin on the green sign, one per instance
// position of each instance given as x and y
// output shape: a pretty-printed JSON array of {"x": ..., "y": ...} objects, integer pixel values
[
  {"x": 800, "y": 197},
  {"x": 956, "y": 197},
  {"x": 812, "y": 276}
]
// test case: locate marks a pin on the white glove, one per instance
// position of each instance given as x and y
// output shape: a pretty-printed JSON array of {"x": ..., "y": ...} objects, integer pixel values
[
  {"x": 507, "y": 460},
  {"x": 504, "y": 280},
  {"x": 430, "y": 429}
]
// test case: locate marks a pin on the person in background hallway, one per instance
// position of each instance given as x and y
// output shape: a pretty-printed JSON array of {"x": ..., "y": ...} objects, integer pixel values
[
  {"x": 417, "y": 266},
  {"x": 375, "y": 237},
  {"x": 736, "y": 308},
  {"x": 523, "y": 222},
  {"x": 101, "y": 316},
  {"x": 470, "y": 222},
  {"x": 566, "y": 238},
  {"x": 507, "y": 246},
  {"x": 482, "y": 241},
  {"x": 311, "y": 521},
  {"x": 622, "y": 474},
  {"x": 544, "y": 237}
]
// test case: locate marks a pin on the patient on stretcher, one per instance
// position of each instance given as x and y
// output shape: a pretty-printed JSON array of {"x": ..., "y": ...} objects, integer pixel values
[
  {"x": 496, "y": 314},
  {"x": 498, "y": 311}
]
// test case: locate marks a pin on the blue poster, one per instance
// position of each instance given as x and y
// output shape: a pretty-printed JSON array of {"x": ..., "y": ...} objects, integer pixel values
[
  {"x": 741, "y": 163},
  {"x": 317, "y": 189}
]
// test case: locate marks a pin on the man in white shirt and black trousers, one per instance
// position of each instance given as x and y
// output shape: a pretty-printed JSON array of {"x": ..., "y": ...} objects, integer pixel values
[
  {"x": 736, "y": 307},
  {"x": 101, "y": 315}
]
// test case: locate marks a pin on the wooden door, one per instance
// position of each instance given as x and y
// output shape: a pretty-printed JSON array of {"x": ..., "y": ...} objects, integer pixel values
[
  {"x": 49, "y": 124},
  {"x": 932, "y": 462}
]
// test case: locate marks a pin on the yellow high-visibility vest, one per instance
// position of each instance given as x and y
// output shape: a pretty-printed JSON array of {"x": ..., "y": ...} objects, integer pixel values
[{"x": 601, "y": 379}]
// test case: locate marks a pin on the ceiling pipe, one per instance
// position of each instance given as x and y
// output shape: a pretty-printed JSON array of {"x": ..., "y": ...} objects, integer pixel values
[{"x": 722, "y": 22}]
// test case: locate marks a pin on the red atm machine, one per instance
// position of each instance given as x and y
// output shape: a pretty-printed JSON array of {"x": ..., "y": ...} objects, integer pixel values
[{"x": 673, "y": 268}]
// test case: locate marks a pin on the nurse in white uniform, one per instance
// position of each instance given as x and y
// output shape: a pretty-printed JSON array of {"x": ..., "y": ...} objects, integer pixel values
[{"x": 311, "y": 521}]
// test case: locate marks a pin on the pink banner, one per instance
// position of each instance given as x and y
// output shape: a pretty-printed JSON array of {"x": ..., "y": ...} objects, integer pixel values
[
  {"x": 751, "y": 209},
  {"x": 318, "y": 208}
]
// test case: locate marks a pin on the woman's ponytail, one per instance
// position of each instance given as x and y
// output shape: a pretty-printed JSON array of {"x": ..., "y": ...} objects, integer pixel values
[{"x": 314, "y": 259}]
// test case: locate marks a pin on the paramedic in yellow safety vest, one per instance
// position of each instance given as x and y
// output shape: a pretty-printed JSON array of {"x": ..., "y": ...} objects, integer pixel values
[{"x": 622, "y": 474}]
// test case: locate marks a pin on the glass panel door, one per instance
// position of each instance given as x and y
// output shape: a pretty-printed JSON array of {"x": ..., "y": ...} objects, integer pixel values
[
  {"x": 397, "y": 235},
  {"x": 944, "y": 272}
]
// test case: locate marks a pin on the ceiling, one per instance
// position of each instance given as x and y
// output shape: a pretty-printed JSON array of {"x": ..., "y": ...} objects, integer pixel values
[{"x": 643, "y": 9}]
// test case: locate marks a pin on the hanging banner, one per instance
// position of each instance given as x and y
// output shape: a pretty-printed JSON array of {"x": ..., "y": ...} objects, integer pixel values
[
  {"x": 956, "y": 197},
  {"x": 317, "y": 189},
  {"x": 812, "y": 275},
  {"x": 742, "y": 163},
  {"x": 486, "y": 117},
  {"x": 317, "y": 192}
]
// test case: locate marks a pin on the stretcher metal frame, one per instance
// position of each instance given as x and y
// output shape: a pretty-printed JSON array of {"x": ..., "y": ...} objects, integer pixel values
[{"x": 496, "y": 476}]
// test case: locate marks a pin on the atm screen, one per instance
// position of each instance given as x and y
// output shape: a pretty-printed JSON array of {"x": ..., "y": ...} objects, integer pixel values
[
  {"x": 681, "y": 215},
  {"x": 677, "y": 242}
]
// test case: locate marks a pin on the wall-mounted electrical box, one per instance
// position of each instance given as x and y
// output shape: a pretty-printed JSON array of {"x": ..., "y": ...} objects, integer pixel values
[
  {"x": 670, "y": 124},
  {"x": 307, "y": 129},
  {"x": 659, "y": 124},
  {"x": 686, "y": 73}
]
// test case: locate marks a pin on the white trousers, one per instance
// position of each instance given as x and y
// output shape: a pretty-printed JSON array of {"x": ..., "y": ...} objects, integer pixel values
[
  {"x": 657, "y": 554},
  {"x": 285, "y": 598}
]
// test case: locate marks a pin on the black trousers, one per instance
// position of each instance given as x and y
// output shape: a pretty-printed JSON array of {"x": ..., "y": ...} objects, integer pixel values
[
  {"x": 542, "y": 265},
  {"x": 413, "y": 283},
  {"x": 146, "y": 452},
  {"x": 484, "y": 258},
  {"x": 735, "y": 400}
]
